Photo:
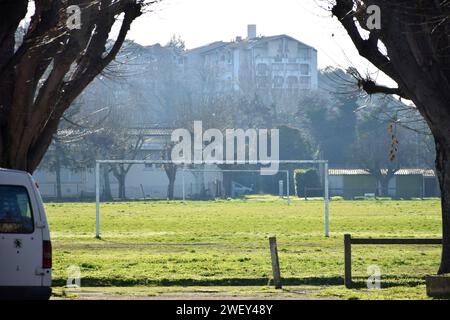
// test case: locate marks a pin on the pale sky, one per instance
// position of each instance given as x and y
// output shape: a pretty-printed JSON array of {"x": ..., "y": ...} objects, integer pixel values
[{"x": 199, "y": 22}]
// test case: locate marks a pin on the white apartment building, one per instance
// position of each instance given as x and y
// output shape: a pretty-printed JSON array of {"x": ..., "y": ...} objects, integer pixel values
[{"x": 260, "y": 63}]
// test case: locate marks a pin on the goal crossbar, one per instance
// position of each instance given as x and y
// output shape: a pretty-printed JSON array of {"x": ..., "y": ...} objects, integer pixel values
[{"x": 324, "y": 163}]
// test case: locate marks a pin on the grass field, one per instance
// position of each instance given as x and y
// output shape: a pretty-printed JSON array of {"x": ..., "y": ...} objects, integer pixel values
[{"x": 221, "y": 248}]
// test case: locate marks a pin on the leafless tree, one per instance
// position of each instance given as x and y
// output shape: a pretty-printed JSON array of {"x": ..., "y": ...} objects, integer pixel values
[
  {"x": 41, "y": 78},
  {"x": 411, "y": 45}
]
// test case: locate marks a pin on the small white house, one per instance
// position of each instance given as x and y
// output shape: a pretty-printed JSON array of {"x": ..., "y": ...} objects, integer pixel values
[{"x": 142, "y": 182}]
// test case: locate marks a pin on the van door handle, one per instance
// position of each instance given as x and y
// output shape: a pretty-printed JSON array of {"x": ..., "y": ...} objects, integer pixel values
[{"x": 40, "y": 225}]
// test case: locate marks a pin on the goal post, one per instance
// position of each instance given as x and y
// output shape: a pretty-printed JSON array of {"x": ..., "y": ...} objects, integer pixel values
[{"x": 323, "y": 163}]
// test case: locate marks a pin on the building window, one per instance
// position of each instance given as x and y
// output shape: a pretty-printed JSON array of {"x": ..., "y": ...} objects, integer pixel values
[
  {"x": 305, "y": 82},
  {"x": 263, "y": 82},
  {"x": 278, "y": 67},
  {"x": 304, "y": 69},
  {"x": 280, "y": 47},
  {"x": 292, "y": 82},
  {"x": 180, "y": 60},
  {"x": 262, "y": 69},
  {"x": 304, "y": 53},
  {"x": 292, "y": 67},
  {"x": 278, "y": 82},
  {"x": 226, "y": 57}
]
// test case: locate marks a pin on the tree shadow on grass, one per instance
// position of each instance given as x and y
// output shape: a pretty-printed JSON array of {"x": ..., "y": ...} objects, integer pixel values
[{"x": 388, "y": 281}]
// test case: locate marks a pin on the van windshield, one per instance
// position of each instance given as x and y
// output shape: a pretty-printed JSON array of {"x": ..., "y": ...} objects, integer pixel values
[{"x": 15, "y": 210}]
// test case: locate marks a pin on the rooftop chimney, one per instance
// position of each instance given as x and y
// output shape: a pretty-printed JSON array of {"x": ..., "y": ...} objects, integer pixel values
[{"x": 251, "y": 31}]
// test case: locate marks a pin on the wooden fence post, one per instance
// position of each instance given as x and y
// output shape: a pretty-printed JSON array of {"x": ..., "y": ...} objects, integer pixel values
[
  {"x": 275, "y": 262},
  {"x": 348, "y": 260}
]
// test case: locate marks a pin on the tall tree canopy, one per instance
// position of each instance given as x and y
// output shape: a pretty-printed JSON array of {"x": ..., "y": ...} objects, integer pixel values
[
  {"x": 410, "y": 43},
  {"x": 64, "y": 47}
]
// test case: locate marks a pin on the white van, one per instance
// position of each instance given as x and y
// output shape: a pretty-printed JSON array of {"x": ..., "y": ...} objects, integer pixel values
[{"x": 25, "y": 247}]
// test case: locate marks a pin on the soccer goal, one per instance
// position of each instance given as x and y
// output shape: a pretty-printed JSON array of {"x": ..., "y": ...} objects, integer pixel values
[{"x": 208, "y": 181}]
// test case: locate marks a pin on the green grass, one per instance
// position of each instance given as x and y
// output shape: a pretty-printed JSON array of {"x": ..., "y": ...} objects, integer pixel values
[{"x": 158, "y": 247}]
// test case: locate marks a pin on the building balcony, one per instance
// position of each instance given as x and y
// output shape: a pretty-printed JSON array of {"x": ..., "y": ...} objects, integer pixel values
[{"x": 271, "y": 60}]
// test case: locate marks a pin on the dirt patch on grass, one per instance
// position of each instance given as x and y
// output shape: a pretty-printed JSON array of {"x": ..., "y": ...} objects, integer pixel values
[{"x": 162, "y": 293}]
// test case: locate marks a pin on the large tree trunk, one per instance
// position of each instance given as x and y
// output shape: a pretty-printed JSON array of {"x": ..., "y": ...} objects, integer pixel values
[
  {"x": 171, "y": 172},
  {"x": 433, "y": 104},
  {"x": 171, "y": 189},
  {"x": 106, "y": 194},
  {"x": 443, "y": 171},
  {"x": 122, "y": 190},
  {"x": 58, "y": 178},
  {"x": 417, "y": 58},
  {"x": 121, "y": 174},
  {"x": 383, "y": 180},
  {"x": 384, "y": 187},
  {"x": 51, "y": 67}
]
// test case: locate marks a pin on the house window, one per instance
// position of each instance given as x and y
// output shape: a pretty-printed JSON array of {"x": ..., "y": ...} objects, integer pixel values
[
  {"x": 278, "y": 67},
  {"x": 263, "y": 82},
  {"x": 292, "y": 67},
  {"x": 229, "y": 57},
  {"x": 292, "y": 82},
  {"x": 304, "y": 69},
  {"x": 304, "y": 53},
  {"x": 305, "y": 82},
  {"x": 262, "y": 69},
  {"x": 280, "y": 47},
  {"x": 278, "y": 82}
]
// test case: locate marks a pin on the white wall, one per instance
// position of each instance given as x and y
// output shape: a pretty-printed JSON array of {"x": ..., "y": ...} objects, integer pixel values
[
  {"x": 336, "y": 185},
  {"x": 154, "y": 182}
]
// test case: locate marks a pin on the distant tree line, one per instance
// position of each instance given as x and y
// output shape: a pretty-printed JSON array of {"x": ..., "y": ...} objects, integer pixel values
[{"x": 146, "y": 89}]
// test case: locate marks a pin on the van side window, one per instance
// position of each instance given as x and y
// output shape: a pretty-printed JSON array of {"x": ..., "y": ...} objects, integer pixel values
[{"x": 15, "y": 210}]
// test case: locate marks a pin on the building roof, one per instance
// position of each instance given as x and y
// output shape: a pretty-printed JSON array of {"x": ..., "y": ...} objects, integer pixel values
[
  {"x": 208, "y": 47},
  {"x": 348, "y": 172},
  {"x": 408, "y": 172},
  {"x": 257, "y": 41},
  {"x": 363, "y": 172},
  {"x": 251, "y": 43}
]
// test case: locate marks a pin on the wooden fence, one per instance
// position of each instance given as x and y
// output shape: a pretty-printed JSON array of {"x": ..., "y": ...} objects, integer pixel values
[{"x": 348, "y": 241}]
